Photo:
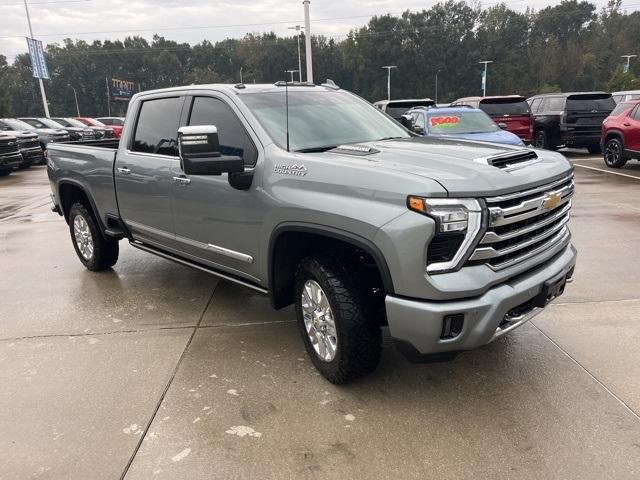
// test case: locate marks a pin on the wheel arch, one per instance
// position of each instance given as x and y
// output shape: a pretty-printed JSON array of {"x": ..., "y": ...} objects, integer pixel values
[
  {"x": 614, "y": 134},
  {"x": 70, "y": 192},
  {"x": 291, "y": 242}
]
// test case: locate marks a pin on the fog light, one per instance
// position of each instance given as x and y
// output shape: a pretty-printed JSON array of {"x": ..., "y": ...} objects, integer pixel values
[{"x": 452, "y": 325}]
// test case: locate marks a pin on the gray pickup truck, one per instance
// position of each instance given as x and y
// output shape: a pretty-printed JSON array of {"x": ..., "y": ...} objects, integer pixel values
[{"x": 312, "y": 196}]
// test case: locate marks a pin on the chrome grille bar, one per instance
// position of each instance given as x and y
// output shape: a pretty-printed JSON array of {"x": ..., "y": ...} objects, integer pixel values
[
  {"x": 560, "y": 240},
  {"x": 542, "y": 188}
]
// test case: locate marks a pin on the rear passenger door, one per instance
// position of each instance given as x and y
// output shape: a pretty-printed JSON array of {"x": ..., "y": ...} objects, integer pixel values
[
  {"x": 215, "y": 223},
  {"x": 144, "y": 171}
]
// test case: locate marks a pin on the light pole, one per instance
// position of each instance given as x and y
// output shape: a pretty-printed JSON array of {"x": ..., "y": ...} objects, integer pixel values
[
  {"x": 436, "y": 99},
  {"x": 389, "y": 67},
  {"x": 628, "y": 57},
  {"x": 484, "y": 76},
  {"x": 44, "y": 96},
  {"x": 292, "y": 72},
  {"x": 241, "y": 75},
  {"x": 75, "y": 95},
  {"x": 307, "y": 41},
  {"x": 297, "y": 28}
]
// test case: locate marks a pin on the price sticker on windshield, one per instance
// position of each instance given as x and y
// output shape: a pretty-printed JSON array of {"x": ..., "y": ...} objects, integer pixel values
[{"x": 444, "y": 122}]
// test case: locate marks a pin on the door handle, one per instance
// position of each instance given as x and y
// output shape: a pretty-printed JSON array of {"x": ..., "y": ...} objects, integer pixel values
[
  {"x": 626, "y": 124},
  {"x": 182, "y": 180},
  {"x": 124, "y": 170}
]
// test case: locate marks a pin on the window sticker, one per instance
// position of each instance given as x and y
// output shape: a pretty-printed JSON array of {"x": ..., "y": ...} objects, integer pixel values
[{"x": 444, "y": 122}]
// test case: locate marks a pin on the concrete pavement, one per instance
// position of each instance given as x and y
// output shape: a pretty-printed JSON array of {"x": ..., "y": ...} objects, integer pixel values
[{"x": 154, "y": 370}]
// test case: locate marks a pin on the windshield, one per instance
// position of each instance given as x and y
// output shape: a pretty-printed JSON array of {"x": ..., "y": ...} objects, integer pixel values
[
  {"x": 505, "y": 107},
  {"x": 321, "y": 119},
  {"x": 43, "y": 123},
  {"x": 460, "y": 122},
  {"x": 585, "y": 102},
  {"x": 71, "y": 122},
  {"x": 14, "y": 124},
  {"x": 112, "y": 121}
]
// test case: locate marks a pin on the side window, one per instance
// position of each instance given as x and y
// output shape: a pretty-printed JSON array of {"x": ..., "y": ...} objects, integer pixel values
[
  {"x": 419, "y": 124},
  {"x": 555, "y": 104},
  {"x": 234, "y": 140},
  {"x": 636, "y": 113},
  {"x": 535, "y": 105},
  {"x": 157, "y": 127}
]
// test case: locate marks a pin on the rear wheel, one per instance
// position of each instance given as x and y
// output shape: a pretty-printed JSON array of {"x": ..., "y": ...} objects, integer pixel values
[
  {"x": 614, "y": 153},
  {"x": 334, "y": 316},
  {"x": 541, "y": 140},
  {"x": 94, "y": 250}
]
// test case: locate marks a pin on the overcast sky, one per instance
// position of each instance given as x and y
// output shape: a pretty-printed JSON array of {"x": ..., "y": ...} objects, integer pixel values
[{"x": 195, "y": 20}]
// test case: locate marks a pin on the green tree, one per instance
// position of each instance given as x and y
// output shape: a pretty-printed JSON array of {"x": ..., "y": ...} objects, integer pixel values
[{"x": 623, "y": 81}]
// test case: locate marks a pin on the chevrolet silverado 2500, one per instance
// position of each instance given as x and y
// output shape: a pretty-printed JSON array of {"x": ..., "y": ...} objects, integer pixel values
[{"x": 314, "y": 197}]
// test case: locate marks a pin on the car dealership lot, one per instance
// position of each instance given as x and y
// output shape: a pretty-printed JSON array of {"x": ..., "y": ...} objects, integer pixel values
[{"x": 153, "y": 370}]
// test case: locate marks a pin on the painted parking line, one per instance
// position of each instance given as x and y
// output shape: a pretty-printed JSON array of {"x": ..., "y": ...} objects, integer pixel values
[{"x": 607, "y": 171}]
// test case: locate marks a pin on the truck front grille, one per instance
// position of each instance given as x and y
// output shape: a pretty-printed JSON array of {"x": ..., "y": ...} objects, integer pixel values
[
  {"x": 29, "y": 143},
  {"x": 9, "y": 147},
  {"x": 525, "y": 224}
]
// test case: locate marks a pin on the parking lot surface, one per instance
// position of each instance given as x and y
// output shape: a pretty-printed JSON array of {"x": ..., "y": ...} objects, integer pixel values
[{"x": 153, "y": 370}]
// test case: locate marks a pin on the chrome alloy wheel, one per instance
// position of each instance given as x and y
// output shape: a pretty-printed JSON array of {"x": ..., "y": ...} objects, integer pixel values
[
  {"x": 612, "y": 153},
  {"x": 318, "y": 320},
  {"x": 83, "y": 237}
]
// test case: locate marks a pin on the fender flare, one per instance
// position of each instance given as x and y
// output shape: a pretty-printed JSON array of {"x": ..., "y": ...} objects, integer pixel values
[{"x": 94, "y": 209}]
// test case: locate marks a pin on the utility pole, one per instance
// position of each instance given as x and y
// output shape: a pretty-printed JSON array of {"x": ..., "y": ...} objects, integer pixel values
[
  {"x": 297, "y": 28},
  {"x": 307, "y": 41},
  {"x": 241, "y": 75},
  {"x": 44, "y": 95},
  {"x": 436, "y": 99},
  {"x": 389, "y": 67},
  {"x": 628, "y": 57},
  {"x": 484, "y": 76},
  {"x": 75, "y": 95}
]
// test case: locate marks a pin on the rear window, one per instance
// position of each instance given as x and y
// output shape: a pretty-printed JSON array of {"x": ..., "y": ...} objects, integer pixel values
[
  {"x": 505, "y": 107},
  {"x": 620, "y": 109},
  {"x": 589, "y": 103},
  {"x": 396, "y": 109}
]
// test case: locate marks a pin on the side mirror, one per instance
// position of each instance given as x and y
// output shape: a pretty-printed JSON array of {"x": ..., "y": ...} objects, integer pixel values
[
  {"x": 406, "y": 121},
  {"x": 502, "y": 125},
  {"x": 200, "y": 152}
]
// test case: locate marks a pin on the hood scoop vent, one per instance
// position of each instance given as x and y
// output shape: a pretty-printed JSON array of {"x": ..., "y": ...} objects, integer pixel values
[{"x": 511, "y": 160}]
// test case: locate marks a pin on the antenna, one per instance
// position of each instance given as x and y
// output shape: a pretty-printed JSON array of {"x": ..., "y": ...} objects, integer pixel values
[{"x": 286, "y": 100}]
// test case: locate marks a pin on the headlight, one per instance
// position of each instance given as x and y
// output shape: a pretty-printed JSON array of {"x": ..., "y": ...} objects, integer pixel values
[{"x": 458, "y": 225}]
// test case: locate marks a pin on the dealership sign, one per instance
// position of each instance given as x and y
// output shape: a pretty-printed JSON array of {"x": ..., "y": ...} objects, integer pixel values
[
  {"x": 38, "y": 62},
  {"x": 121, "y": 89}
]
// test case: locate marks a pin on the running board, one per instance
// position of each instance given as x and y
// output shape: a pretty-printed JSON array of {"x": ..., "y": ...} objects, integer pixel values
[{"x": 197, "y": 266}]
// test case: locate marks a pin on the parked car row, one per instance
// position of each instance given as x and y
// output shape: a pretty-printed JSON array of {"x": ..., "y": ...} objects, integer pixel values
[
  {"x": 601, "y": 122},
  {"x": 24, "y": 140}
]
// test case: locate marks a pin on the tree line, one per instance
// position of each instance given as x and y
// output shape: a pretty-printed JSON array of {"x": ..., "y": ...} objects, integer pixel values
[{"x": 567, "y": 47}]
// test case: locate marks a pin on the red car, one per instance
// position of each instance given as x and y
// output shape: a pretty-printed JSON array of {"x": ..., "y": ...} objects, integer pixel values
[
  {"x": 115, "y": 123},
  {"x": 102, "y": 131},
  {"x": 620, "y": 135},
  {"x": 511, "y": 112}
]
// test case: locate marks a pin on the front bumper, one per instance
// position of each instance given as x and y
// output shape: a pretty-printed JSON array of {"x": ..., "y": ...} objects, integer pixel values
[
  {"x": 417, "y": 325},
  {"x": 32, "y": 156},
  {"x": 10, "y": 160},
  {"x": 580, "y": 138}
]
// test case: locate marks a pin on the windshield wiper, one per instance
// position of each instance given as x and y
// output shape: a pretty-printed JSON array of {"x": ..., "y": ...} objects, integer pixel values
[
  {"x": 317, "y": 149},
  {"x": 389, "y": 138}
]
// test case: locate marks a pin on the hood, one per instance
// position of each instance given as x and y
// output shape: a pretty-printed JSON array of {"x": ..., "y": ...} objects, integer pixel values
[
  {"x": 461, "y": 166},
  {"x": 500, "y": 136},
  {"x": 51, "y": 131},
  {"x": 21, "y": 134}
]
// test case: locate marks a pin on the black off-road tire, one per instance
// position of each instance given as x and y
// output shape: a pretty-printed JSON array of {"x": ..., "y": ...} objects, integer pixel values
[
  {"x": 105, "y": 250},
  {"x": 359, "y": 338},
  {"x": 541, "y": 140},
  {"x": 614, "y": 153},
  {"x": 594, "y": 149}
]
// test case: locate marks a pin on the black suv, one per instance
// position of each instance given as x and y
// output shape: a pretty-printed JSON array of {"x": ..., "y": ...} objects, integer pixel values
[{"x": 570, "y": 119}]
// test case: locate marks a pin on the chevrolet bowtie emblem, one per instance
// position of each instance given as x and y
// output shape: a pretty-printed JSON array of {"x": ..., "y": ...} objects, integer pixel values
[{"x": 551, "y": 202}]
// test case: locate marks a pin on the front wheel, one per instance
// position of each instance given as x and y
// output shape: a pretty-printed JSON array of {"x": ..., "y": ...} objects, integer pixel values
[
  {"x": 614, "y": 153},
  {"x": 94, "y": 250},
  {"x": 334, "y": 316},
  {"x": 541, "y": 140}
]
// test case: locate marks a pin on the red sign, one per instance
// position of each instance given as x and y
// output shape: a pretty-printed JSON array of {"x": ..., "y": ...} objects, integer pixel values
[{"x": 444, "y": 121}]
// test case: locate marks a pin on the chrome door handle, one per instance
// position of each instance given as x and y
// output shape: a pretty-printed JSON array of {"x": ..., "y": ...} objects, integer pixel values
[
  {"x": 124, "y": 170},
  {"x": 182, "y": 180}
]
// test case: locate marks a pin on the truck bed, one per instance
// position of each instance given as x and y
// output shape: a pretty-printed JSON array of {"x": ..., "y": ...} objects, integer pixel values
[{"x": 90, "y": 165}]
